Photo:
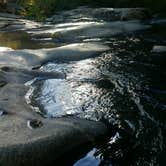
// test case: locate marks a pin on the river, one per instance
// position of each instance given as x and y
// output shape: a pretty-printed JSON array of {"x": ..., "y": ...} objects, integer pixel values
[{"x": 125, "y": 87}]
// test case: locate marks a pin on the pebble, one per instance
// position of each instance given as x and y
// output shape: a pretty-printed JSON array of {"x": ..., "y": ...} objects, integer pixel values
[{"x": 34, "y": 123}]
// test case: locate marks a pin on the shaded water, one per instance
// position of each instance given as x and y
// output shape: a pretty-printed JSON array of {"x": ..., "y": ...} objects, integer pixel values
[{"x": 124, "y": 87}]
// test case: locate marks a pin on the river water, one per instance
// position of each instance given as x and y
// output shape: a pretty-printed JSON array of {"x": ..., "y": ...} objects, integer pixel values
[{"x": 124, "y": 87}]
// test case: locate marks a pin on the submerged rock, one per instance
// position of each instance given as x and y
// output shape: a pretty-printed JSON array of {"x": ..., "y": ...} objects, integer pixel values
[{"x": 2, "y": 112}]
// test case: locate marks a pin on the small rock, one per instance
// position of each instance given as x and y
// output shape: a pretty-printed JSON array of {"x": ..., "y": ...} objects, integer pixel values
[
  {"x": 2, "y": 112},
  {"x": 35, "y": 123}
]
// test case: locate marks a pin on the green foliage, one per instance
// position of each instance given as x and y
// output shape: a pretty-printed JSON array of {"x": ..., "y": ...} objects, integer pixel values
[{"x": 39, "y": 9}]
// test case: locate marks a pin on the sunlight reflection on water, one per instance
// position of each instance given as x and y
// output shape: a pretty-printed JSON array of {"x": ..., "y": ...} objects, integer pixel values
[{"x": 89, "y": 160}]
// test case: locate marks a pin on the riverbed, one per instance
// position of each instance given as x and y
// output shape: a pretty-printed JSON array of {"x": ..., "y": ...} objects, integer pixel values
[{"x": 123, "y": 86}]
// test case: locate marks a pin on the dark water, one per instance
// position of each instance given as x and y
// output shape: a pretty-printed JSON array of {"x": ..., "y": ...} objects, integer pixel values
[{"x": 125, "y": 87}]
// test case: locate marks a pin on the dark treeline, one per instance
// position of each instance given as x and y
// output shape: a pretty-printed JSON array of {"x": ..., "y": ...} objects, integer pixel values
[{"x": 155, "y": 4}]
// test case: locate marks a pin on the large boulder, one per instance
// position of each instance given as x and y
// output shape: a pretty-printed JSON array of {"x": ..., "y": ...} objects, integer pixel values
[
  {"x": 89, "y": 30},
  {"x": 26, "y": 138},
  {"x": 32, "y": 58}
]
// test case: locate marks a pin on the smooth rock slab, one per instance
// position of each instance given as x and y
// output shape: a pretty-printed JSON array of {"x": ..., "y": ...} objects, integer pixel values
[
  {"x": 22, "y": 146},
  {"x": 31, "y": 58},
  {"x": 21, "y": 76},
  {"x": 76, "y": 31},
  {"x": 159, "y": 49},
  {"x": 50, "y": 139},
  {"x": 98, "y": 30},
  {"x": 11, "y": 22}
]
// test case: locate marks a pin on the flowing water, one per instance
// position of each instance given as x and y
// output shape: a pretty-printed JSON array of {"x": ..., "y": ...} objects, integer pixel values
[{"x": 124, "y": 87}]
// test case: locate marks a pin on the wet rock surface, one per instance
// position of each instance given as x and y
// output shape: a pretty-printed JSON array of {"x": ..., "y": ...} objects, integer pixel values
[
  {"x": 101, "y": 14},
  {"x": 32, "y": 58},
  {"x": 24, "y": 132},
  {"x": 103, "y": 66}
]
